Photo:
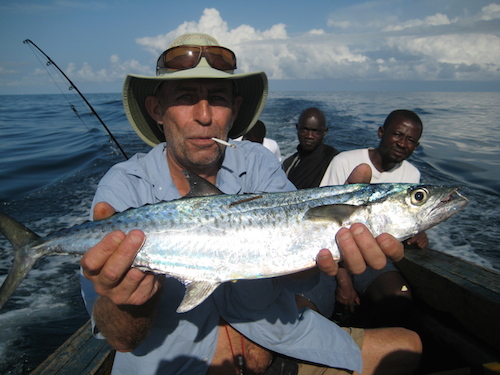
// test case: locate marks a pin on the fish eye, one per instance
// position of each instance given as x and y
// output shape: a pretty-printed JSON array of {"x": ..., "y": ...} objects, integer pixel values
[{"x": 419, "y": 196}]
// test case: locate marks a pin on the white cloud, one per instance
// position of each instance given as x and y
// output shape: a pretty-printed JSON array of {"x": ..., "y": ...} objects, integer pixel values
[
  {"x": 116, "y": 71},
  {"x": 433, "y": 46},
  {"x": 339, "y": 24},
  {"x": 270, "y": 50},
  {"x": 212, "y": 23},
  {"x": 437, "y": 46},
  {"x": 480, "y": 49},
  {"x": 490, "y": 12},
  {"x": 316, "y": 32},
  {"x": 6, "y": 71},
  {"x": 436, "y": 20}
]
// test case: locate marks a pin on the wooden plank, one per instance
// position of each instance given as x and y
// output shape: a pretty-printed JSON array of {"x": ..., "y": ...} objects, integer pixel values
[
  {"x": 460, "y": 271},
  {"x": 80, "y": 354},
  {"x": 469, "y": 293}
]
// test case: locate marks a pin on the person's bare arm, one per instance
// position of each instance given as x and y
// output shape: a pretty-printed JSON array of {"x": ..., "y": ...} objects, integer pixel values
[{"x": 125, "y": 309}]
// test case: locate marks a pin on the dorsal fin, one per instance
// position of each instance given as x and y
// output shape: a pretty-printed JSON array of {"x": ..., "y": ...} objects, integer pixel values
[{"x": 199, "y": 187}]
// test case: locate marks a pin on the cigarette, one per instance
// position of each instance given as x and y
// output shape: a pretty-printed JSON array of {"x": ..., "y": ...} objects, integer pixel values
[{"x": 223, "y": 142}]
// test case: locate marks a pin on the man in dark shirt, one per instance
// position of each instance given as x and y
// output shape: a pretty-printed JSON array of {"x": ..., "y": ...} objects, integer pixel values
[{"x": 307, "y": 166}]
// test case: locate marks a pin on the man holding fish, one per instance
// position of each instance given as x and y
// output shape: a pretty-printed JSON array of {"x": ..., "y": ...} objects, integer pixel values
[{"x": 194, "y": 102}]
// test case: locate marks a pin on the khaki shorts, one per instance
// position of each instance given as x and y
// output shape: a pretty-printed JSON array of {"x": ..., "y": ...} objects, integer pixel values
[{"x": 357, "y": 334}]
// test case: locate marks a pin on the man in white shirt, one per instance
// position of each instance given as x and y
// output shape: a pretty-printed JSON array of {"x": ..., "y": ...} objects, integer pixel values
[{"x": 399, "y": 137}]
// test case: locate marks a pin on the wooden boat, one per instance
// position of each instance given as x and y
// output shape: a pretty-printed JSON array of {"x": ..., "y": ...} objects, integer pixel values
[
  {"x": 458, "y": 305},
  {"x": 458, "y": 312}
]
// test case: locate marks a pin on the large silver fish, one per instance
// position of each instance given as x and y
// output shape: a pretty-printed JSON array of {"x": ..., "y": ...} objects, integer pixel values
[{"x": 206, "y": 240}]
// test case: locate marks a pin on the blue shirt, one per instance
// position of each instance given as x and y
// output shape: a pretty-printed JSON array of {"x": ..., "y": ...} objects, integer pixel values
[{"x": 262, "y": 310}]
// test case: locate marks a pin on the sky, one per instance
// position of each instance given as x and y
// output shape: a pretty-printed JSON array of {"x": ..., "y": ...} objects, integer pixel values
[{"x": 315, "y": 45}]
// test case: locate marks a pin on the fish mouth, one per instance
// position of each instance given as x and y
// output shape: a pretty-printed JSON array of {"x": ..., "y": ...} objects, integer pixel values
[{"x": 458, "y": 200}]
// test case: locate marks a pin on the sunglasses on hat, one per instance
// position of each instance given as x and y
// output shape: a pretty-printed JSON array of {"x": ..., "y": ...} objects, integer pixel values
[{"x": 188, "y": 56}]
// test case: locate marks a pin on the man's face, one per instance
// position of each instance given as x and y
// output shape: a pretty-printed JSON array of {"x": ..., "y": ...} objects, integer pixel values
[
  {"x": 192, "y": 112},
  {"x": 310, "y": 134},
  {"x": 399, "y": 140}
]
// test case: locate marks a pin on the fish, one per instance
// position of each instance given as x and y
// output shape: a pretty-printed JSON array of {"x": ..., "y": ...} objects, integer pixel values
[{"x": 208, "y": 238}]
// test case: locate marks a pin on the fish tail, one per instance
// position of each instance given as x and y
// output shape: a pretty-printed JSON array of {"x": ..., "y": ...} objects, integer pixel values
[{"x": 21, "y": 239}]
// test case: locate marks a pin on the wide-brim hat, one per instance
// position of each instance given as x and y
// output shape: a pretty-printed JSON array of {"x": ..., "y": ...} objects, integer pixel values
[{"x": 252, "y": 87}]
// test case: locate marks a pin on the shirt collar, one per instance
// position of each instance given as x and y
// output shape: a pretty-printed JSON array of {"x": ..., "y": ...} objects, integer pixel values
[{"x": 153, "y": 168}]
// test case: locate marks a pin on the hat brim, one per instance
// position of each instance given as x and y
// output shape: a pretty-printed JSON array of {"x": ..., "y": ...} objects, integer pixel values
[{"x": 252, "y": 87}]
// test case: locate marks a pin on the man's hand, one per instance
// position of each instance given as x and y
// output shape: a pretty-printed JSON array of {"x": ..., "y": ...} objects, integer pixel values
[
  {"x": 326, "y": 263},
  {"x": 357, "y": 245},
  {"x": 419, "y": 240},
  {"x": 359, "y": 248},
  {"x": 125, "y": 311},
  {"x": 346, "y": 294},
  {"x": 108, "y": 265}
]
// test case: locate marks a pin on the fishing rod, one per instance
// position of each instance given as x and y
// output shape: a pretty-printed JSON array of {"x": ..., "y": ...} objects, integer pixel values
[{"x": 73, "y": 86}]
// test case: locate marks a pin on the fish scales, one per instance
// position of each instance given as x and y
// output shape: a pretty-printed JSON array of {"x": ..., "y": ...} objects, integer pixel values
[
  {"x": 267, "y": 232},
  {"x": 254, "y": 231},
  {"x": 204, "y": 241},
  {"x": 183, "y": 228}
]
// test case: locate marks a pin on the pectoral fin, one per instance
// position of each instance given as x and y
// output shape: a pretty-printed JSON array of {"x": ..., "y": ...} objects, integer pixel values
[
  {"x": 338, "y": 213},
  {"x": 196, "y": 293}
]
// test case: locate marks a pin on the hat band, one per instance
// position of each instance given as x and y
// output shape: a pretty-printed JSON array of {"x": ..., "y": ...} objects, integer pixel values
[{"x": 188, "y": 56}]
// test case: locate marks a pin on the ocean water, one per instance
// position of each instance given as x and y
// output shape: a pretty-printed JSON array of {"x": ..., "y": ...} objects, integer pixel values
[{"x": 53, "y": 153}]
